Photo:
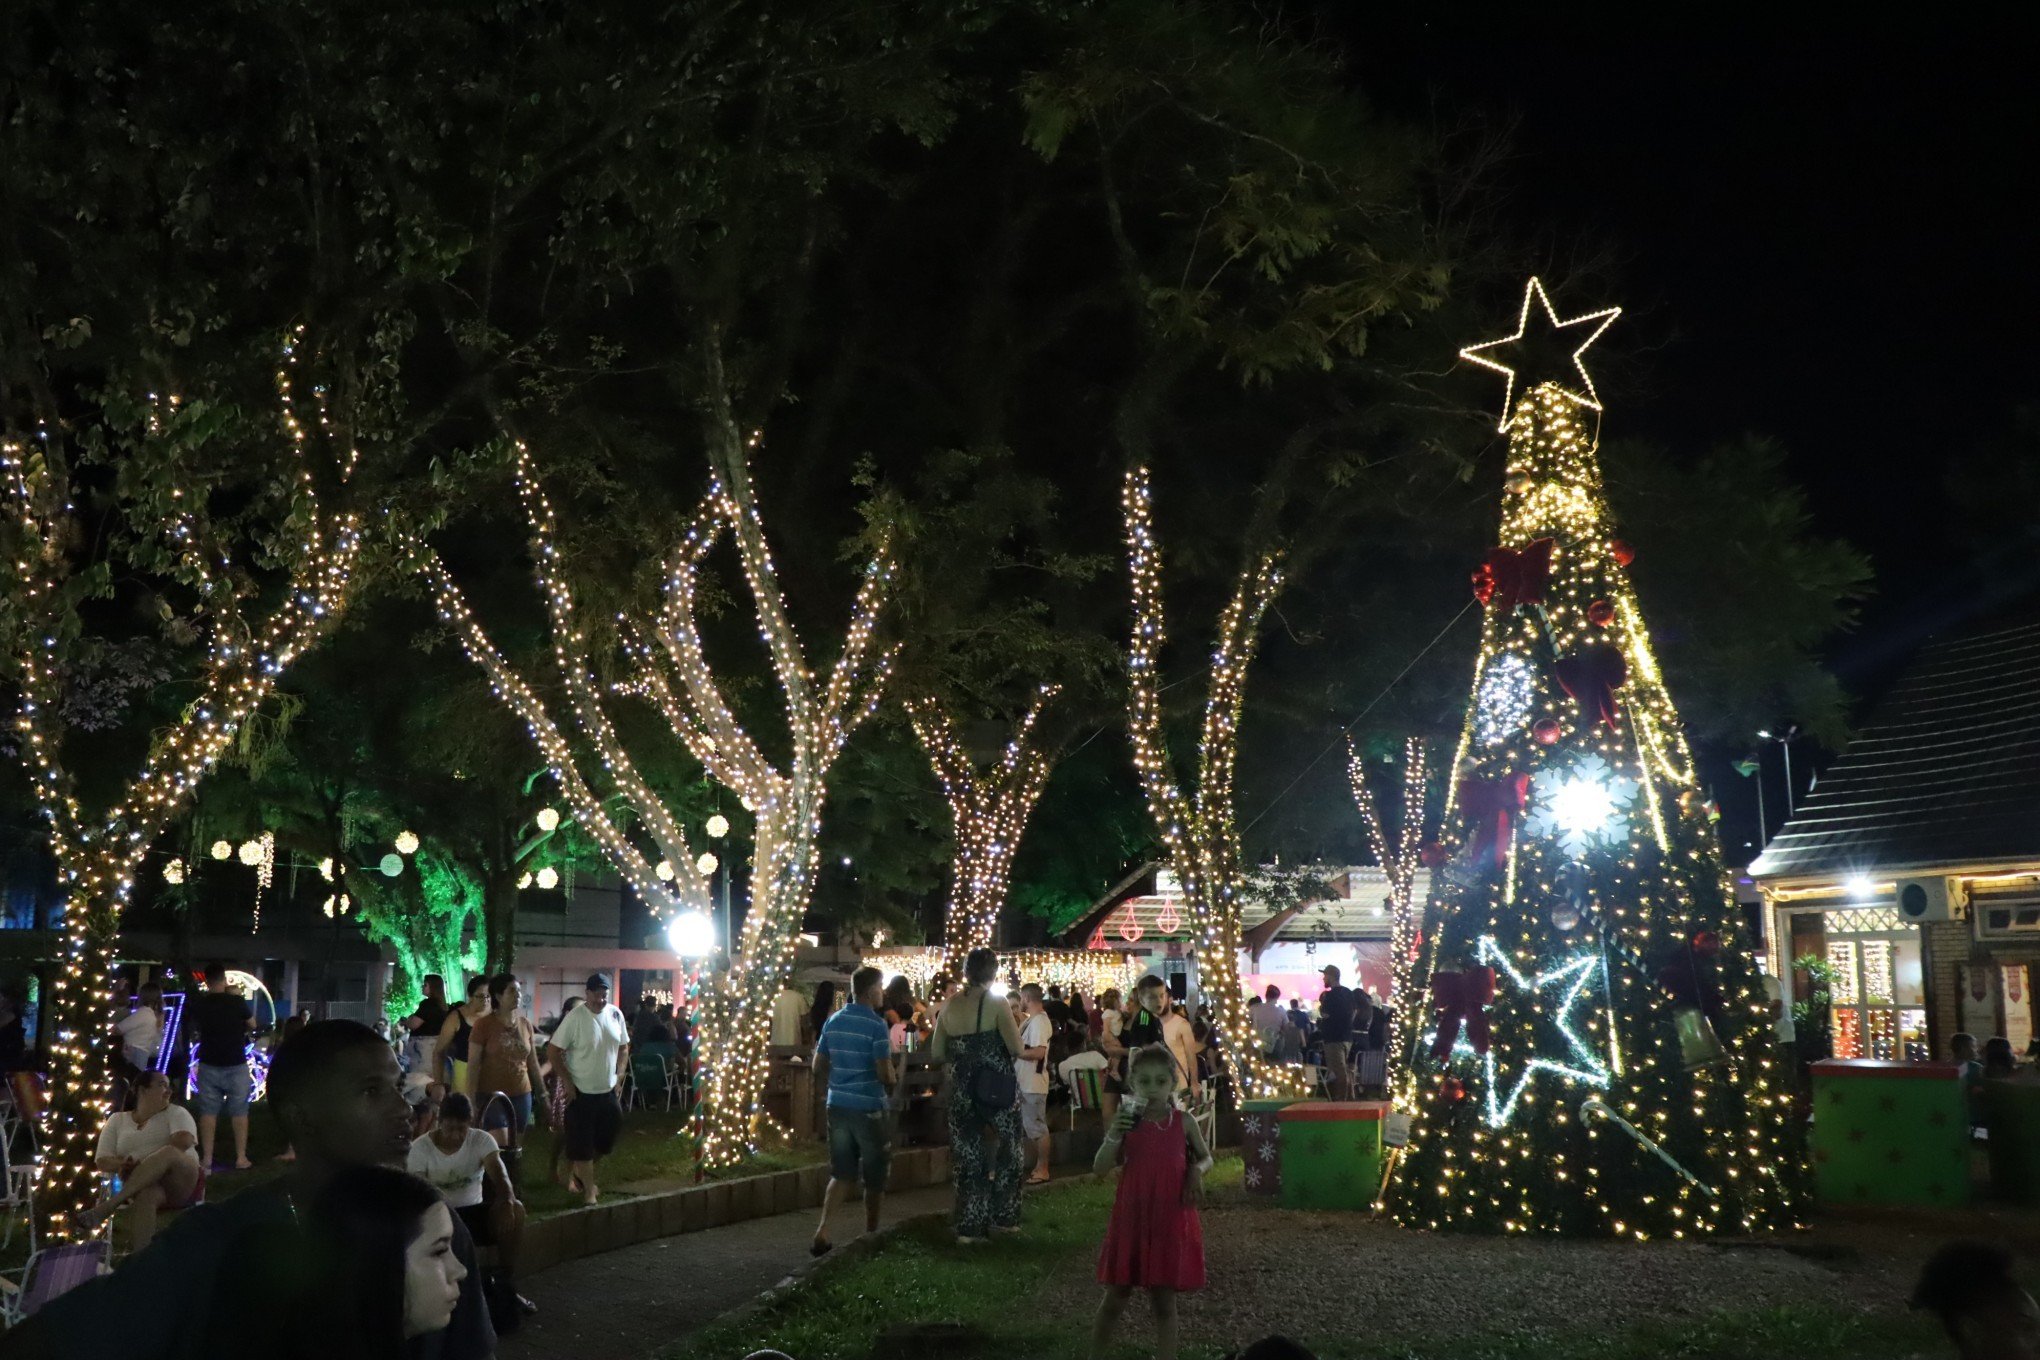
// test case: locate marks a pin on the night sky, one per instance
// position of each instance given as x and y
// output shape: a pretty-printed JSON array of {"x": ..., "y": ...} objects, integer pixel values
[{"x": 1823, "y": 236}]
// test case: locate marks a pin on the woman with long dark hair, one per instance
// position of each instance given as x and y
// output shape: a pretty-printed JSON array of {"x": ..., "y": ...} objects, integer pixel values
[
  {"x": 819, "y": 1013},
  {"x": 385, "y": 1240}
]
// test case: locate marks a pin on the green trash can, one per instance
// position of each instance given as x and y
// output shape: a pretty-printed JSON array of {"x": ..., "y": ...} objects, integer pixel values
[{"x": 1890, "y": 1133}]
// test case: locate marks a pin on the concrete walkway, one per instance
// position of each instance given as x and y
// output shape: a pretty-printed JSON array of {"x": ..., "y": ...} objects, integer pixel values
[{"x": 625, "y": 1305}]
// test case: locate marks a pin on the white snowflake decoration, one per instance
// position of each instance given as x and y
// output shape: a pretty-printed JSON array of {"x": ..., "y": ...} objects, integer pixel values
[
  {"x": 1502, "y": 705},
  {"x": 1582, "y": 806},
  {"x": 1267, "y": 1153},
  {"x": 1252, "y": 1125},
  {"x": 1253, "y": 1177}
]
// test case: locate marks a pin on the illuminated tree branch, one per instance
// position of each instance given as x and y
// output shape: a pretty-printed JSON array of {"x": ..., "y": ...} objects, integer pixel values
[
  {"x": 990, "y": 810},
  {"x": 1200, "y": 831},
  {"x": 1399, "y": 861},
  {"x": 50, "y": 578}
]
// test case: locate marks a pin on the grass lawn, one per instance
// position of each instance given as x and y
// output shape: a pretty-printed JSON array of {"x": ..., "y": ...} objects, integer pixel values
[{"x": 1026, "y": 1296}]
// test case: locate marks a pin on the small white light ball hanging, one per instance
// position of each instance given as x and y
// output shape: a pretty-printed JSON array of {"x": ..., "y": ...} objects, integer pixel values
[
  {"x": 664, "y": 869},
  {"x": 173, "y": 872},
  {"x": 407, "y": 842},
  {"x": 718, "y": 826},
  {"x": 548, "y": 878},
  {"x": 548, "y": 819},
  {"x": 222, "y": 850},
  {"x": 706, "y": 862},
  {"x": 250, "y": 853}
]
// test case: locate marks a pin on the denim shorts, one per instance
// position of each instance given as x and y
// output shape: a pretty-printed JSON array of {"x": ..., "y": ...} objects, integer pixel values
[
  {"x": 512, "y": 1112},
  {"x": 859, "y": 1139},
  {"x": 224, "y": 1086}
]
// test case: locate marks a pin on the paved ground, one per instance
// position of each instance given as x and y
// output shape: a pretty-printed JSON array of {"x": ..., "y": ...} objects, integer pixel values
[{"x": 624, "y": 1305}]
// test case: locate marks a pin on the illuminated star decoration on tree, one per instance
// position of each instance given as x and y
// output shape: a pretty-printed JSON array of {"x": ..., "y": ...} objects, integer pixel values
[
  {"x": 1570, "y": 980},
  {"x": 1585, "y": 806},
  {"x": 1529, "y": 352}
]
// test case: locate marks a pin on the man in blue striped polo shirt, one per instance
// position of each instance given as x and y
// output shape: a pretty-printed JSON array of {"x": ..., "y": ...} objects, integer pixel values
[{"x": 855, "y": 1053}]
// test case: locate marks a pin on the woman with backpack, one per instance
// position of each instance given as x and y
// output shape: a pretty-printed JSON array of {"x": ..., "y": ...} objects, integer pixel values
[{"x": 978, "y": 1038}]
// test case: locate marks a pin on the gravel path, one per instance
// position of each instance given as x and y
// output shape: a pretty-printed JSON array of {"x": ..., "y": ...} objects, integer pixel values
[{"x": 1305, "y": 1274}]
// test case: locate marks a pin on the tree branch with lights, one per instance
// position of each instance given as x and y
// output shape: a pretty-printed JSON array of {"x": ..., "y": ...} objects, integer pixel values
[
  {"x": 990, "y": 809},
  {"x": 60, "y": 573},
  {"x": 1200, "y": 830},
  {"x": 1399, "y": 860},
  {"x": 667, "y": 665}
]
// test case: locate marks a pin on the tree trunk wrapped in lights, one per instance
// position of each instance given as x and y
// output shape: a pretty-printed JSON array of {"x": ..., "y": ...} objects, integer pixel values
[
  {"x": 1201, "y": 831},
  {"x": 98, "y": 853},
  {"x": 1599, "y": 1056},
  {"x": 671, "y": 671},
  {"x": 990, "y": 810},
  {"x": 1399, "y": 861}
]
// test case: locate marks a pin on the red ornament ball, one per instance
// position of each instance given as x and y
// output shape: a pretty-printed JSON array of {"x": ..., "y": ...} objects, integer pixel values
[
  {"x": 1706, "y": 943},
  {"x": 1453, "y": 1089},
  {"x": 1433, "y": 855},
  {"x": 1623, "y": 553},
  {"x": 1547, "y": 731},
  {"x": 1600, "y": 613}
]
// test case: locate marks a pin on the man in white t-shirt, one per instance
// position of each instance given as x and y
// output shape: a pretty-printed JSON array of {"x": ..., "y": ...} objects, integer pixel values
[
  {"x": 455, "y": 1159},
  {"x": 151, "y": 1150},
  {"x": 1031, "y": 1068},
  {"x": 789, "y": 1012},
  {"x": 590, "y": 1049},
  {"x": 141, "y": 1030}
]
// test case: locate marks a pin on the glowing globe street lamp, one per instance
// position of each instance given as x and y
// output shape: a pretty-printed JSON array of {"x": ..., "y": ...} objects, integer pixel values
[{"x": 691, "y": 934}]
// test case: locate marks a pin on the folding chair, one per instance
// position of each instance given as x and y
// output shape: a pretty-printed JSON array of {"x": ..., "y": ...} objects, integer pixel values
[
  {"x": 1087, "y": 1091},
  {"x": 650, "y": 1074},
  {"x": 51, "y": 1272},
  {"x": 1370, "y": 1068}
]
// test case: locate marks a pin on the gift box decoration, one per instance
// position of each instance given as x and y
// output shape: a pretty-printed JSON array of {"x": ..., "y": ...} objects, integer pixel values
[
  {"x": 1261, "y": 1144},
  {"x": 1331, "y": 1153},
  {"x": 1890, "y": 1133}
]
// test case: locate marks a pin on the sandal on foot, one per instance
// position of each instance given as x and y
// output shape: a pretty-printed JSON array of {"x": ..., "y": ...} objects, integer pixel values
[{"x": 820, "y": 1247}]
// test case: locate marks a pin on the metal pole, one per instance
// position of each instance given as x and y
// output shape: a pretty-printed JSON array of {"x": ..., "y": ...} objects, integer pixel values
[
  {"x": 1763, "y": 821},
  {"x": 1785, "y": 744}
]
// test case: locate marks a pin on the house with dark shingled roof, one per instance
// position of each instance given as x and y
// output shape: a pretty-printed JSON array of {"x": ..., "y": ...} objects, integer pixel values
[{"x": 1914, "y": 865}]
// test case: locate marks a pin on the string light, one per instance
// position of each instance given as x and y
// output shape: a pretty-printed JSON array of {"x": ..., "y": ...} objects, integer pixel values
[
  {"x": 1200, "y": 831},
  {"x": 1608, "y": 888},
  {"x": 1490, "y": 354},
  {"x": 668, "y": 668},
  {"x": 98, "y": 854},
  {"x": 1399, "y": 861},
  {"x": 989, "y": 811}
]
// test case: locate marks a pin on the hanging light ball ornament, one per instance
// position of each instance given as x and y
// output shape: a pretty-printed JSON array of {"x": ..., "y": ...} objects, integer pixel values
[
  {"x": 1600, "y": 613},
  {"x": 1621, "y": 552},
  {"x": 524, "y": 882},
  {"x": 548, "y": 878},
  {"x": 718, "y": 826},
  {"x": 548, "y": 819},
  {"x": 173, "y": 872},
  {"x": 222, "y": 850},
  {"x": 1565, "y": 916},
  {"x": 1547, "y": 731},
  {"x": 664, "y": 869},
  {"x": 392, "y": 866},
  {"x": 1518, "y": 482},
  {"x": 706, "y": 863},
  {"x": 407, "y": 842},
  {"x": 744, "y": 802},
  {"x": 250, "y": 853},
  {"x": 326, "y": 869}
]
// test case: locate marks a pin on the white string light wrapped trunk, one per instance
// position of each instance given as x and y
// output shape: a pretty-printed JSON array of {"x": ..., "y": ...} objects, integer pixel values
[
  {"x": 990, "y": 811},
  {"x": 98, "y": 854},
  {"x": 669, "y": 668},
  {"x": 1201, "y": 832},
  {"x": 1399, "y": 861}
]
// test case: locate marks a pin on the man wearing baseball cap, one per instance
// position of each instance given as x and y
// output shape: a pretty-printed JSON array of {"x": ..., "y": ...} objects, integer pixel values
[{"x": 589, "y": 1050}]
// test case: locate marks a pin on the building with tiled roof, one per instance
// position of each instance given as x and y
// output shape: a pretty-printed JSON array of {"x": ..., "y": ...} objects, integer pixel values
[{"x": 1914, "y": 864}]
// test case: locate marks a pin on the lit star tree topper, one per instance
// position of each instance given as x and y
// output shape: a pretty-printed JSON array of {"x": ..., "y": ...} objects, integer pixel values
[
  {"x": 1544, "y": 349},
  {"x": 1594, "y": 1054},
  {"x": 249, "y": 584}
]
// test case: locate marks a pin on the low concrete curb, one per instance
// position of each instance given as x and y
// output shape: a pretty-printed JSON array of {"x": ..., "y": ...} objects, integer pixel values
[{"x": 715, "y": 1204}]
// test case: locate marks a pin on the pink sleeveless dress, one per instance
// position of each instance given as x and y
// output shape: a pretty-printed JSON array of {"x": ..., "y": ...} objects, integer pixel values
[{"x": 1154, "y": 1241}]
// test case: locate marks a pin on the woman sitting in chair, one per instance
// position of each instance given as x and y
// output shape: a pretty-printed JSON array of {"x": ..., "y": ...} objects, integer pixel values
[{"x": 151, "y": 1149}]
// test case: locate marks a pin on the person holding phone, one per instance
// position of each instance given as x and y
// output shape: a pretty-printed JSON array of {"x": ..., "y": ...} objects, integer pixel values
[{"x": 1155, "y": 1240}]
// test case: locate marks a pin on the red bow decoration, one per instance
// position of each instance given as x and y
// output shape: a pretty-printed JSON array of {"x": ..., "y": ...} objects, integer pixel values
[
  {"x": 1509, "y": 578},
  {"x": 1462, "y": 998},
  {"x": 1491, "y": 806},
  {"x": 1591, "y": 678}
]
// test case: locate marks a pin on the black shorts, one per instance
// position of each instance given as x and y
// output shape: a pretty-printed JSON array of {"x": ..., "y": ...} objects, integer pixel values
[
  {"x": 593, "y": 1121},
  {"x": 476, "y": 1216}
]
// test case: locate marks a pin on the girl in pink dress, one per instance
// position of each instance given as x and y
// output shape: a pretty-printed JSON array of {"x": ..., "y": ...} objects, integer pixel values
[{"x": 1155, "y": 1241}]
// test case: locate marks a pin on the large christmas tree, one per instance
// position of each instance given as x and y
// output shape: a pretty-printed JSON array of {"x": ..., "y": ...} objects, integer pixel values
[{"x": 1595, "y": 1055}]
